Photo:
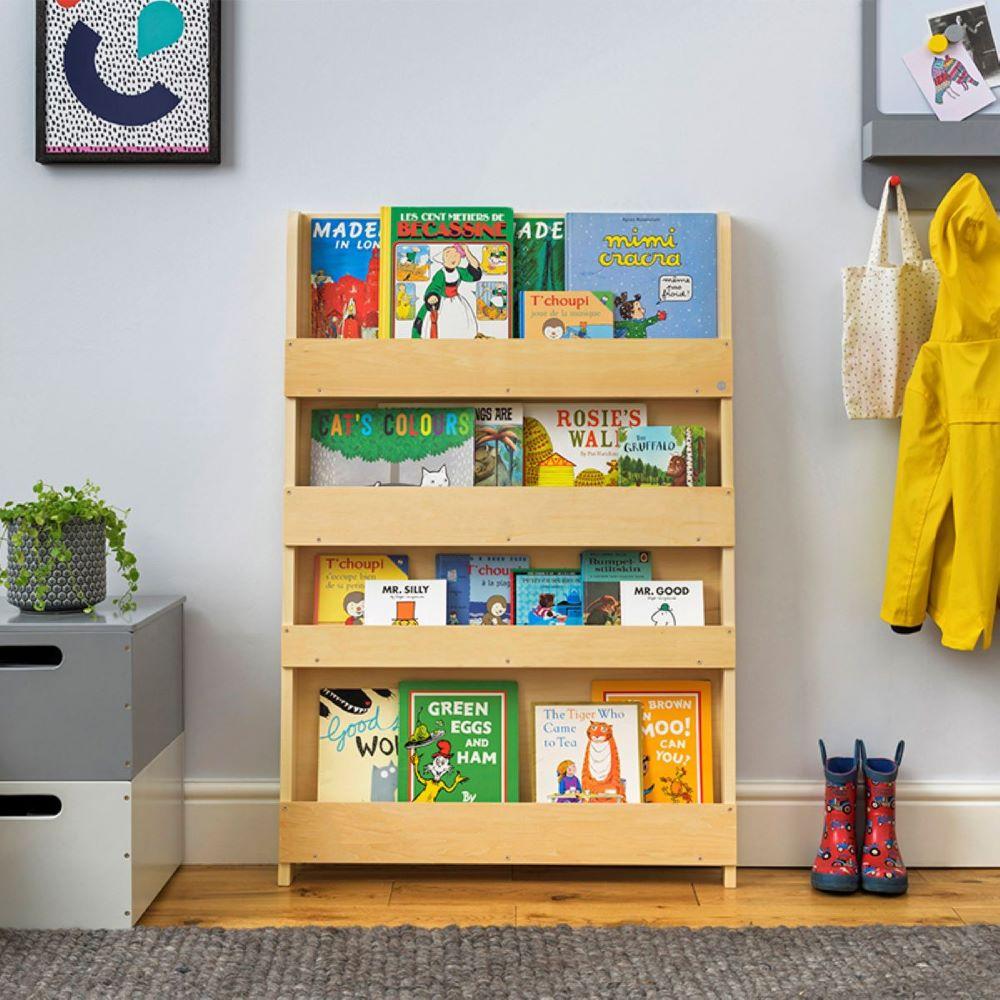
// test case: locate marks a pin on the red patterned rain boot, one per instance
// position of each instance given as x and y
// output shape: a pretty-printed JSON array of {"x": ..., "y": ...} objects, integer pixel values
[
  {"x": 882, "y": 868},
  {"x": 836, "y": 866}
]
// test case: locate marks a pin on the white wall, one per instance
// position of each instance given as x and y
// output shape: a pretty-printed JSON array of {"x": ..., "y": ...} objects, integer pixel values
[{"x": 141, "y": 319}]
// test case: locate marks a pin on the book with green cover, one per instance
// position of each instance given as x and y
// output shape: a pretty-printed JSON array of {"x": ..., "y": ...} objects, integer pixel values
[
  {"x": 460, "y": 741},
  {"x": 662, "y": 456},
  {"x": 539, "y": 258},
  {"x": 446, "y": 272},
  {"x": 602, "y": 571}
]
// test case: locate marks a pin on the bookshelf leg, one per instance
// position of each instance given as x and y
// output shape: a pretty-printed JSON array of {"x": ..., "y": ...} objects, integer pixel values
[
  {"x": 285, "y": 875},
  {"x": 729, "y": 877}
]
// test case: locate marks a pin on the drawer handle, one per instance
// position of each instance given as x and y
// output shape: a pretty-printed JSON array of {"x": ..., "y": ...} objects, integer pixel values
[
  {"x": 30, "y": 657},
  {"x": 29, "y": 806}
]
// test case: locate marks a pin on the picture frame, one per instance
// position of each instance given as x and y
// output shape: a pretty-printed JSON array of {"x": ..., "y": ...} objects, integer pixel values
[
  {"x": 629, "y": 751},
  {"x": 178, "y": 130}
]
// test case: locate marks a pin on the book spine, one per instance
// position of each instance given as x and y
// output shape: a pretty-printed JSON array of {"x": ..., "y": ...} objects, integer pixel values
[{"x": 386, "y": 320}]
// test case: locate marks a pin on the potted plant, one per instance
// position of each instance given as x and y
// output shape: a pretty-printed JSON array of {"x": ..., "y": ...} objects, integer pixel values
[{"x": 56, "y": 550}]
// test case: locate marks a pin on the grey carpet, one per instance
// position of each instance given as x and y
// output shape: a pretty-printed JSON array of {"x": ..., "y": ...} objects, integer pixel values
[{"x": 499, "y": 962}]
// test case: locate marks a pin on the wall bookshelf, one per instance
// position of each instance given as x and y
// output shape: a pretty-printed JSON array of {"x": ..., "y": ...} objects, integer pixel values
[{"x": 690, "y": 532}]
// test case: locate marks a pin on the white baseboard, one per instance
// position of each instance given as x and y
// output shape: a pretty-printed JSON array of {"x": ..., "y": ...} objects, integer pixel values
[{"x": 940, "y": 824}]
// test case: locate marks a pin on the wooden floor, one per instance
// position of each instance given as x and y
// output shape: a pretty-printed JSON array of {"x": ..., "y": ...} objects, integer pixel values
[{"x": 434, "y": 897}]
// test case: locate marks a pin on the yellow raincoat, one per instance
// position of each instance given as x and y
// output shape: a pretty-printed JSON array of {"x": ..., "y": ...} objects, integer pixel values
[{"x": 944, "y": 547}]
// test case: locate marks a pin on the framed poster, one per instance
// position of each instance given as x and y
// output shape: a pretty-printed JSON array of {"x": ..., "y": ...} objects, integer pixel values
[{"x": 129, "y": 81}]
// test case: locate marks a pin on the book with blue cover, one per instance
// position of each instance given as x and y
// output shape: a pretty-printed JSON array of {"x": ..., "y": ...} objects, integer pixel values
[
  {"x": 660, "y": 267},
  {"x": 602, "y": 571},
  {"x": 553, "y": 597},
  {"x": 453, "y": 568},
  {"x": 479, "y": 589}
]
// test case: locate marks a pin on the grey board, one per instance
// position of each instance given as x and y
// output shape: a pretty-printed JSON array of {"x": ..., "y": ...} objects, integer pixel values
[
  {"x": 113, "y": 702},
  {"x": 929, "y": 155}
]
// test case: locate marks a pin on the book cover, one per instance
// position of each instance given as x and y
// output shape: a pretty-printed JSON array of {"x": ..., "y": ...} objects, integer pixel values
[
  {"x": 446, "y": 272},
  {"x": 461, "y": 741},
  {"x": 663, "y": 602},
  {"x": 548, "y": 598},
  {"x": 575, "y": 444},
  {"x": 586, "y": 753},
  {"x": 412, "y": 446},
  {"x": 567, "y": 315},
  {"x": 676, "y": 736},
  {"x": 499, "y": 445},
  {"x": 358, "y": 745},
  {"x": 538, "y": 257},
  {"x": 344, "y": 277},
  {"x": 660, "y": 268},
  {"x": 491, "y": 587},
  {"x": 453, "y": 568},
  {"x": 602, "y": 571},
  {"x": 405, "y": 603},
  {"x": 339, "y": 584},
  {"x": 662, "y": 456}
]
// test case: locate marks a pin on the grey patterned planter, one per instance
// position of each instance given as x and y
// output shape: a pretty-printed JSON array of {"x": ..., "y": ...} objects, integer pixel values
[{"x": 80, "y": 583}]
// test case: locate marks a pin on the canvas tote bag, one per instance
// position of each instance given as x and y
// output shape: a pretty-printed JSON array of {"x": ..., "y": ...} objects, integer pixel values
[{"x": 888, "y": 311}]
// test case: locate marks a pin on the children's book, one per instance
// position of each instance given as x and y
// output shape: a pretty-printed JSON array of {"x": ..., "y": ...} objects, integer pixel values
[
  {"x": 660, "y": 268},
  {"x": 663, "y": 602},
  {"x": 538, "y": 257},
  {"x": 460, "y": 741},
  {"x": 548, "y": 597},
  {"x": 662, "y": 456},
  {"x": 413, "y": 446},
  {"x": 453, "y": 568},
  {"x": 491, "y": 587},
  {"x": 602, "y": 573},
  {"x": 586, "y": 753},
  {"x": 339, "y": 591},
  {"x": 407, "y": 602},
  {"x": 446, "y": 272},
  {"x": 358, "y": 745},
  {"x": 575, "y": 444},
  {"x": 344, "y": 277},
  {"x": 676, "y": 736},
  {"x": 567, "y": 315},
  {"x": 499, "y": 445}
]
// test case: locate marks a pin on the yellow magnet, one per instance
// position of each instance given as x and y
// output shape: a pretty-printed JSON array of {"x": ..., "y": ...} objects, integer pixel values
[{"x": 937, "y": 44}]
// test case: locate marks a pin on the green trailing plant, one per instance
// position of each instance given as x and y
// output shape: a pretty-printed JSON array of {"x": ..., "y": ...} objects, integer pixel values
[{"x": 36, "y": 526}]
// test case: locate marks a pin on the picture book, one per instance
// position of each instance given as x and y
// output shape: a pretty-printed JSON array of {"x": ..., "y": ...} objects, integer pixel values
[
  {"x": 548, "y": 597},
  {"x": 344, "y": 277},
  {"x": 499, "y": 445},
  {"x": 446, "y": 272},
  {"x": 659, "y": 267},
  {"x": 602, "y": 572},
  {"x": 405, "y": 602},
  {"x": 676, "y": 736},
  {"x": 453, "y": 568},
  {"x": 461, "y": 741},
  {"x": 567, "y": 315},
  {"x": 575, "y": 444},
  {"x": 339, "y": 591},
  {"x": 358, "y": 745},
  {"x": 414, "y": 446},
  {"x": 491, "y": 587},
  {"x": 586, "y": 753},
  {"x": 663, "y": 602},
  {"x": 538, "y": 257},
  {"x": 662, "y": 456}
]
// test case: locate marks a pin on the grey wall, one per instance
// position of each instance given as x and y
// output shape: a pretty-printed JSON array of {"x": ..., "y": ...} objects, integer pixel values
[{"x": 141, "y": 318}]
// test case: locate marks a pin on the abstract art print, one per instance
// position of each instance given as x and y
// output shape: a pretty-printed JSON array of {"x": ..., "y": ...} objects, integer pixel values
[{"x": 127, "y": 81}]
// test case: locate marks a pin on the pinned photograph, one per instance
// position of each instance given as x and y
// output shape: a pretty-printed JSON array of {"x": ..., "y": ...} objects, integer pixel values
[{"x": 970, "y": 28}]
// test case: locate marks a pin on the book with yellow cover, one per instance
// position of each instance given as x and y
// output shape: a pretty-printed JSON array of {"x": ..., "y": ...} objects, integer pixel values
[
  {"x": 340, "y": 584},
  {"x": 676, "y": 736}
]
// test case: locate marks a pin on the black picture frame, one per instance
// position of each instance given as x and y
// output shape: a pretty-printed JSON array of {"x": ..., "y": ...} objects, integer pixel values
[{"x": 214, "y": 154}]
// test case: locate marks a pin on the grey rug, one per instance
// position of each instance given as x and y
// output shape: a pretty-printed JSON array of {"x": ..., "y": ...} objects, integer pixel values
[{"x": 498, "y": 962}]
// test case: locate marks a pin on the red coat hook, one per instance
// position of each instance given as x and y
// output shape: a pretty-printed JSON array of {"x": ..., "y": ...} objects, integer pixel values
[{"x": 894, "y": 181}]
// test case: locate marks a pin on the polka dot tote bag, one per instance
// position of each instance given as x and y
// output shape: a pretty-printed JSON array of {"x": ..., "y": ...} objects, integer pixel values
[{"x": 888, "y": 311}]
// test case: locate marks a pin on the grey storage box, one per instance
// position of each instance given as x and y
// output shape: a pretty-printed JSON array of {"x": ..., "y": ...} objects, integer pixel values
[
  {"x": 89, "y": 698},
  {"x": 91, "y": 763}
]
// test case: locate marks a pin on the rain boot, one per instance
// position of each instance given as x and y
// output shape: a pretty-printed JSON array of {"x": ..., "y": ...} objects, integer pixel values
[
  {"x": 836, "y": 866},
  {"x": 882, "y": 868}
]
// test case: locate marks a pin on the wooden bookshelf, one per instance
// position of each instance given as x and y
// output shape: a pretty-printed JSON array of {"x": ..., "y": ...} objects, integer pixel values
[{"x": 690, "y": 532}]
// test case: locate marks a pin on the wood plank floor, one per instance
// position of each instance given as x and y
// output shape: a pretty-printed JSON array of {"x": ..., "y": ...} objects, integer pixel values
[{"x": 217, "y": 896}]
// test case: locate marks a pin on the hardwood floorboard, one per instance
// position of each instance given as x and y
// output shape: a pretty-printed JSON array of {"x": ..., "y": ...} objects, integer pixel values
[{"x": 218, "y": 896}]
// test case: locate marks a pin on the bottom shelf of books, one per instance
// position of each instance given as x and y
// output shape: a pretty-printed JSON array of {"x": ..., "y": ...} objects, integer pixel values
[{"x": 507, "y": 833}]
